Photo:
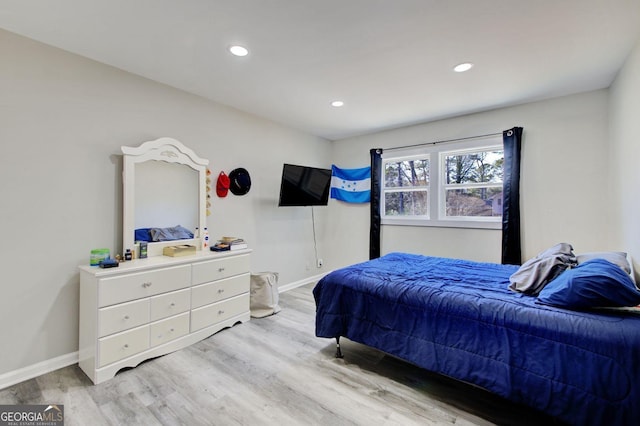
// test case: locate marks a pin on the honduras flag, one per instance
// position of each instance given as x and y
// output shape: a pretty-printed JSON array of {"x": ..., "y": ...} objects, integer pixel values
[{"x": 351, "y": 185}]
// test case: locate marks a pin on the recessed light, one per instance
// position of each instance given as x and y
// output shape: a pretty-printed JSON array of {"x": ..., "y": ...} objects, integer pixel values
[
  {"x": 337, "y": 104},
  {"x": 239, "y": 50},
  {"x": 465, "y": 66}
]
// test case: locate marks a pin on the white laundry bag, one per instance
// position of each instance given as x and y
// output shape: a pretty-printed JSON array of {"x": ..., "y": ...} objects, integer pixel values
[{"x": 264, "y": 294}]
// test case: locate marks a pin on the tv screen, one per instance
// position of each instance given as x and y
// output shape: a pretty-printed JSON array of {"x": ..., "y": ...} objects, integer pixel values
[{"x": 304, "y": 186}]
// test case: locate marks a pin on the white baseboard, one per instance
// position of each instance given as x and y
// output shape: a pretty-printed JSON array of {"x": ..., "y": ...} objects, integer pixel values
[
  {"x": 296, "y": 284},
  {"x": 17, "y": 376}
]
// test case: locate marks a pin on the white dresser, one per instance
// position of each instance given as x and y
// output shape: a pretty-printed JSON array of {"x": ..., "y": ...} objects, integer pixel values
[{"x": 150, "y": 307}]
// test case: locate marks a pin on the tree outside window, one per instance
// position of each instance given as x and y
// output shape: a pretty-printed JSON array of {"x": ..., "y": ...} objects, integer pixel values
[
  {"x": 406, "y": 187},
  {"x": 473, "y": 183}
]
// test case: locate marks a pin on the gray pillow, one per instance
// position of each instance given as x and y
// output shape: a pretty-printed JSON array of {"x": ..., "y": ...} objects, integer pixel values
[
  {"x": 616, "y": 257},
  {"x": 170, "y": 234}
]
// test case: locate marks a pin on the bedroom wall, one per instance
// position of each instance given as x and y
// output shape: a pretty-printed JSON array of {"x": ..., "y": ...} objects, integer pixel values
[
  {"x": 625, "y": 152},
  {"x": 63, "y": 119},
  {"x": 564, "y": 183}
]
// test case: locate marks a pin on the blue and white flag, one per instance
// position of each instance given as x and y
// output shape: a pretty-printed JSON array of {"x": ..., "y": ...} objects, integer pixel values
[{"x": 351, "y": 185}]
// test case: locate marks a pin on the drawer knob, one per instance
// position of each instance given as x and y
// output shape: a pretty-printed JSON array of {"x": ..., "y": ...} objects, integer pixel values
[
  {"x": 172, "y": 330},
  {"x": 172, "y": 304},
  {"x": 126, "y": 346},
  {"x": 220, "y": 312},
  {"x": 220, "y": 269},
  {"x": 220, "y": 291},
  {"x": 147, "y": 284},
  {"x": 126, "y": 317}
]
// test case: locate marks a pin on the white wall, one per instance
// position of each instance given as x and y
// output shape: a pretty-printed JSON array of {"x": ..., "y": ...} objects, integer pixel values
[
  {"x": 63, "y": 119},
  {"x": 564, "y": 182},
  {"x": 625, "y": 156}
]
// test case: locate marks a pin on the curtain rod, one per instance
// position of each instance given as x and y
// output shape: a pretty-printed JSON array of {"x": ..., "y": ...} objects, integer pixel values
[{"x": 443, "y": 141}]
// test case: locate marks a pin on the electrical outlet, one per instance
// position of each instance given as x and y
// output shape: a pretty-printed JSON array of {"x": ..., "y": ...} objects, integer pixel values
[{"x": 320, "y": 263}]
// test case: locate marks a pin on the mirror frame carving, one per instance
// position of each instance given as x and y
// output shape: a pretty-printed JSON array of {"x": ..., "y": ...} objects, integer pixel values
[{"x": 170, "y": 151}]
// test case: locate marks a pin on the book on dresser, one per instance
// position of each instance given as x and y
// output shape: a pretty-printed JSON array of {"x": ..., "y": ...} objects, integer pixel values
[
  {"x": 238, "y": 245},
  {"x": 229, "y": 244}
]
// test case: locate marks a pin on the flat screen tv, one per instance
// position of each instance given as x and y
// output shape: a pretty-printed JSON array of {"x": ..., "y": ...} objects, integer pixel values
[{"x": 304, "y": 186}]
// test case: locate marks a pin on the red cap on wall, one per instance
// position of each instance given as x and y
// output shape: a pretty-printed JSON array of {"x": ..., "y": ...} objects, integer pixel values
[{"x": 222, "y": 186}]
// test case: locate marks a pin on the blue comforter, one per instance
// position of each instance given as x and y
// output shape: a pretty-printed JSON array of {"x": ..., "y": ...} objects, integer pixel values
[{"x": 459, "y": 318}]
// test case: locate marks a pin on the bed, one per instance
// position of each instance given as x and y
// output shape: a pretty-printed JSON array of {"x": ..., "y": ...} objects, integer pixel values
[{"x": 460, "y": 319}]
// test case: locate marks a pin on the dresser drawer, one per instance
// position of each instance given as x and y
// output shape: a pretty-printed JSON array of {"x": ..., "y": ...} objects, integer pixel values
[
  {"x": 220, "y": 268},
  {"x": 169, "y": 329},
  {"x": 122, "y": 345},
  {"x": 169, "y": 304},
  {"x": 122, "y": 317},
  {"x": 216, "y": 312},
  {"x": 142, "y": 284},
  {"x": 216, "y": 291}
]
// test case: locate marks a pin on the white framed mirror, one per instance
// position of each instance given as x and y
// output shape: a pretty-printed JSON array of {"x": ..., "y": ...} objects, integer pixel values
[{"x": 164, "y": 185}]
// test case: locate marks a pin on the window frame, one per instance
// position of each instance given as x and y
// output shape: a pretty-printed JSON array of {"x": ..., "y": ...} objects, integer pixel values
[
  {"x": 436, "y": 190},
  {"x": 428, "y": 188}
]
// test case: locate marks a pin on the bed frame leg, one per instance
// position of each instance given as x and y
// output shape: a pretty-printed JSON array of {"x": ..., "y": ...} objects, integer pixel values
[{"x": 338, "y": 351}]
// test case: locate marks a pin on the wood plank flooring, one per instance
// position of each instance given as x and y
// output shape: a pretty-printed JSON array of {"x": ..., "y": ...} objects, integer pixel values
[{"x": 271, "y": 371}]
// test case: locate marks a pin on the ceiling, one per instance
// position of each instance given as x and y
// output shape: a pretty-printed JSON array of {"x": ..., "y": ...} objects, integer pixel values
[{"x": 390, "y": 61}]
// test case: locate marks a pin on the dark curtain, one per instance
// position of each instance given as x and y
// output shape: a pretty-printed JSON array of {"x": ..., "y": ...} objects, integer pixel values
[
  {"x": 511, "y": 250},
  {"x": 376, "y": 182}
]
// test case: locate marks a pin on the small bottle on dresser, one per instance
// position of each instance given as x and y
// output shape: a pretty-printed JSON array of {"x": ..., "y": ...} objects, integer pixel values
[
  {"x": 205, "y": 237},
  {"x": 143, "y": 250}
]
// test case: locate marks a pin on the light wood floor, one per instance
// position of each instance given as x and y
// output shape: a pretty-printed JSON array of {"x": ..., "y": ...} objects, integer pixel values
[{"x": 270, "y": 371}]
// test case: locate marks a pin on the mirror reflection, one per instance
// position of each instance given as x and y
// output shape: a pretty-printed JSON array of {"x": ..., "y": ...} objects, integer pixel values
[{"x": 166, "y": 195}]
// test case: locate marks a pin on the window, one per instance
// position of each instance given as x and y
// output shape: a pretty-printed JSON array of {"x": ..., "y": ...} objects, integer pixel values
[
  {"x": 406, "y": 187},
  {"x": 472, "y": 185},
  {"x": 448, "y": 184}
]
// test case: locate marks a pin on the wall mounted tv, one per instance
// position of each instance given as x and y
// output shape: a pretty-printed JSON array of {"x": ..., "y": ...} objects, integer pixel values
[{"x": 304, "y": 186}]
